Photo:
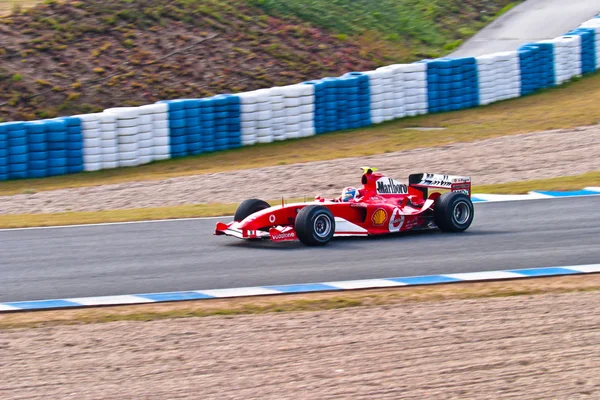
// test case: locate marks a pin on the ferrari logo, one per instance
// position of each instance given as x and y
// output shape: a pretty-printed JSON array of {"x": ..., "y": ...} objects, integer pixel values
[{"x": 379, "y": 217}]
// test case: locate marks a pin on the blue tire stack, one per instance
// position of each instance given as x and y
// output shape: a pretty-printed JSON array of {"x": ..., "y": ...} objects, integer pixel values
[
  {"x": 588, "y": 49},
  {"x": 38, "y": 149},
  {"x": 221, "y": 138},
  {"x": 340, "y": 103},
  {"x": 330, "y": 105},
  {"x": 346, "y": 96},
  {"x": 18, "y": 151},
  {"x": 74, "y": 145},
  {"x": 193, "y": 127},
  {"x": 207, "y": 119},
  {"x": 234, "y": 121},
  {"x": 3, "y": 153},
  {"x": 360, "y": 111},
  {"x": 537, "y": 67},
  {"x": 319, "y": 113},
  {"x": 177, "y": 125},
  {"x": 56, "y": 135},
  {"x": 452, "y": 84}
]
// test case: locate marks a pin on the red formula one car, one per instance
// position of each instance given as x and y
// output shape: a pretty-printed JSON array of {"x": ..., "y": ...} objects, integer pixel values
[{"x": 382, "y": 206}]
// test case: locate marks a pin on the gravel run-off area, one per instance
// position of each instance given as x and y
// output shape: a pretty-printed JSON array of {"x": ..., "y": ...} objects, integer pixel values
[
  {"x": 523, "y": 347},
  {"x": 505, "y": 159}
]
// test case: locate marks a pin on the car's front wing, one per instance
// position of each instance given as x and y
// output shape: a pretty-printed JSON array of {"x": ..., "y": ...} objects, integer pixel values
[{"x": 284, "y": 233}]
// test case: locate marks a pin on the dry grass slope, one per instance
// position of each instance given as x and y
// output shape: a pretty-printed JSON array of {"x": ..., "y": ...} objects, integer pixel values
[{"x": 88, "y": 55}]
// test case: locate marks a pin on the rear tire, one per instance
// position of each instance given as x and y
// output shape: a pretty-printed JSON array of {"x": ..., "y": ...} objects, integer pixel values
[
  {"x": 249, "y": 207},
  {"x": 315, "y": 225},
  {"x": 453, "y": 212}
]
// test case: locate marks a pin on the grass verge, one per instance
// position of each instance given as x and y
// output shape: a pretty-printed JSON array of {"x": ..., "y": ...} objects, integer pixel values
[
  {"x": 302, "y": 302},
  {"x": 561, "y": 107},
  {"x": 218, "y": 209},
  {"x": 563, "y": 183}
]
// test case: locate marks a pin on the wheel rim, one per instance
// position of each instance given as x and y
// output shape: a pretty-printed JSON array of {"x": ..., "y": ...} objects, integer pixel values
[
  {"x": 322, "y": 226},
  {"x": 462, "y": 213}
]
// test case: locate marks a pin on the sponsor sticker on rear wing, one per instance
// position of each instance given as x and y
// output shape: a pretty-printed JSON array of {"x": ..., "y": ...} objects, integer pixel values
[{"x": 460, "y": 184}]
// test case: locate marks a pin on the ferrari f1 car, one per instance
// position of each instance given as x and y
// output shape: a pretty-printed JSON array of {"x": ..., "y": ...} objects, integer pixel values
[{"x": 382, "y": 206}]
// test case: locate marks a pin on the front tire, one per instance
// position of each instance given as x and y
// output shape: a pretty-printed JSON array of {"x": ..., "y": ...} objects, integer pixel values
[
  {"x": 453, "y": 212},
  {"x": 249, "y": 207},
  {"x": 315, "y": 225}
]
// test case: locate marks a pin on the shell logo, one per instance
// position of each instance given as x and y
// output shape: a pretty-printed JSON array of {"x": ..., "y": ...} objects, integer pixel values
[{"x": 379, "y": 217}]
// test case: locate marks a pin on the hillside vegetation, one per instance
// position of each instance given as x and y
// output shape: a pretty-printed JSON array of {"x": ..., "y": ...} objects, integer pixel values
[
  {"x": 406, "y": 28},
  {"x": 62, "y": 58}
]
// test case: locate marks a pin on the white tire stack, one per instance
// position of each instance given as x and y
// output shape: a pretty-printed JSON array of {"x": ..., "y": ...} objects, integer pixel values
[
  {"x": 110, "y": 145},
  {"x": 92, "y": 141},
  {"x": 386, "y": 98},
  {"x": 499, "y": 77},
  {"x": 299, "y": 111},
  {"x": 256, "y": 117},
  {"x": 567, "y": 58},
  {"x": 377, "y": 80},
  {"x": 307, "y": 110},
  {"x": 397, "y": 91},
  {"x": 278, "y": 113},
  {"x": 128, "y": 121},
  {"x": 160, "y": 130},
  {"x": 248, "y": 105},
  {"x": 145, "y": 136},
  {"x": 415, "y": 86}
]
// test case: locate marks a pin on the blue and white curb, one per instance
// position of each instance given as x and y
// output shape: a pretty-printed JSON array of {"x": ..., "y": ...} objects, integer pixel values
[{"x": 297, "y": 288}]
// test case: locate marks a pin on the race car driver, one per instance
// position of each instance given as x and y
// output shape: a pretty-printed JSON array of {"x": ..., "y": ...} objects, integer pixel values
[{"x": 350, "y": 193}]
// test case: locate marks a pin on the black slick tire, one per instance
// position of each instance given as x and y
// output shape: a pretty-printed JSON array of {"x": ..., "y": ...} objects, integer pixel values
[
  {"x": 249, "y": 207},
  {"x": 453, "y": 212},
  {"x": 315, "y": 225}
]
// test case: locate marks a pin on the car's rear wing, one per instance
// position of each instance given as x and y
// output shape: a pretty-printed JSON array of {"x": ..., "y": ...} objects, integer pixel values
[{"x": 461, "y": 184}]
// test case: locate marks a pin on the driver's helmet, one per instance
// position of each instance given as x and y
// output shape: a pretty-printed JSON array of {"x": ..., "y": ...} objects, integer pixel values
[{"x": 349, "y": 193}]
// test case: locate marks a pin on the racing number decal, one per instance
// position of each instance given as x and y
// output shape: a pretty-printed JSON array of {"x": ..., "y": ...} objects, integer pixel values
[{"x": 396, "y": 221}]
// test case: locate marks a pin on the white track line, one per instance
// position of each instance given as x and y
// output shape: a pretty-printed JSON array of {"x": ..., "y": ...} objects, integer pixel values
[{"x": 151, "y": 221}]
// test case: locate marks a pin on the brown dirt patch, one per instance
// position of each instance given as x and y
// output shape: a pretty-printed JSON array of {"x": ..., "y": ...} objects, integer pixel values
[
  {"x": 506, "y": 159},
  {"x": 525, "y": 347}
]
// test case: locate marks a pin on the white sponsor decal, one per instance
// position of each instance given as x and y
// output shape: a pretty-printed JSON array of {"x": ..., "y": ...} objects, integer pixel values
[
  {"x": 460, "y": 179},
  {"x": 281, "y": 236},
  {"x": 396, "y": 220},
  {"x": 389, "y": 186},
  {"x": 271, "y": 218},
  {"x": 442, "y": 180},
  {"x": 436, "y": 180}
]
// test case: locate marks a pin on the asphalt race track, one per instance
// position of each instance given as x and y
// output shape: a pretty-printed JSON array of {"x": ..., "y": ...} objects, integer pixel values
[
  {"x": 528, "y": 22},
  {"x": 183, "y": 255}
]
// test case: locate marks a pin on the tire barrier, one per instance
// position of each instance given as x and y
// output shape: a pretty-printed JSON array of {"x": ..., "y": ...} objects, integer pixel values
[
  {"x": 132, "y": 136},
  {"x": 452, "y": 84}
]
